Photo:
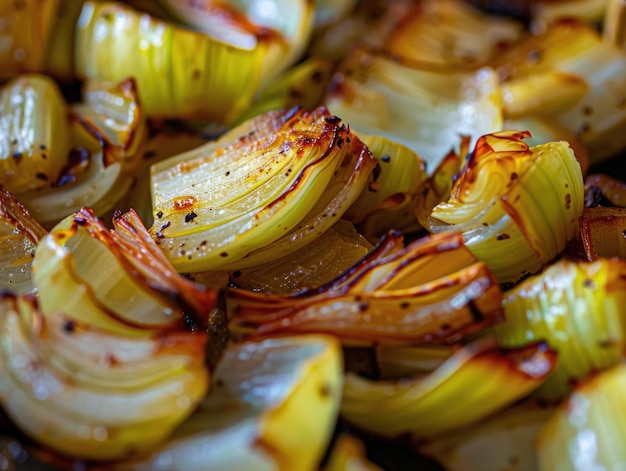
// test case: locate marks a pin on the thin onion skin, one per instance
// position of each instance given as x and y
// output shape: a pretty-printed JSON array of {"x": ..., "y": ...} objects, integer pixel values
[
  {"x": 577, "y": 307},
  {"x": 433, "y": 290}
]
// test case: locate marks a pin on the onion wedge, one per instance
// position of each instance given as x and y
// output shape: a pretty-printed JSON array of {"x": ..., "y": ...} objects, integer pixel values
[
  {"x": 89, "y": 394},
  {"x": 273, "y": 406},
  {"x": 476, "y": 381},
  {"x": 19, "y": 236},
  {"x": 578, "y": 308},
  {"x": 516, "y": 206},
  {"x": 117, "y": 281},
  {"x": 422, "y": 106},
  {"x": 586, "y": 430},
  {"x": 267, "y": 188},
  {"x": 433, "y": 290}
]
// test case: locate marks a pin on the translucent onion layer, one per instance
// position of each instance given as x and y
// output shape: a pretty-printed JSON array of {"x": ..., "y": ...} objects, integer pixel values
[
  {"x": 588, "y": 429},
  {"x": 273, "y": 406},
  {"x": 578, "y": 308},
  {"x": 265, "y": 189},
  {"x": 475, "y": 382},
  {"x": 19, "y": 236},
  {"x": 516, "y": 206},
  {"x": 421, "y": 106},
  {"x": 433, "y": 290},
  {"x": 90, "y": 394}
]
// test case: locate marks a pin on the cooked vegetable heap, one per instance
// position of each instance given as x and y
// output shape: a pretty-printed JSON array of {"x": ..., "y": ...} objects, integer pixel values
[{"x": 312, "y": 235}]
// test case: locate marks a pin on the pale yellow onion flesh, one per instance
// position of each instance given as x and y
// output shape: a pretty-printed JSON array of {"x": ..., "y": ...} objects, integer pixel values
[
  {"x": 517, "y": 206},
  {"x": 433, "y": 290},
  {"x": 35, "y": 138},
  {"x": 475, "y": 382},
  {"x": 333, "y": 252},
  {"x": 275, "y": 176},
  {"x": 117, "y": 281},
  {"x": 284, "y": 27},
  {"x": 27, "y": 29},
  {"x": 114, "y": 41},
  {"x": 573, "y": 76},
  {"x": 505, "y": 440},
  {"x": 398, "y": 178},
  {"x": 577, "y": 307},
  {"x": 90, "y": 394},
  {"x": 587, "y": 430},
  {"x": 19, "y": 236},
  {"x": 273, "y": 406},
  {"x": 423, "y": 107},
  {"x": 97, "y": 155},
  {"x": 452, "y": 32}
]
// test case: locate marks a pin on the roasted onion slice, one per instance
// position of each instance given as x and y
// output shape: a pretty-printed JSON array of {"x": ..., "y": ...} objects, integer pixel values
[
  {"x": 587, "y": 430},
  {"x": 266, "y": 189},
  {"x": 475, "y": 382},
  {"x": 273, "y": 406},
  {"x": 115, "y": 280},
  {"x": 421, "y": 106},
  {"x": 578, "y": 308},
  {"x": 433, "y": 290},
  {"x": 516, "y": 206},
  {"x": 19, "y": 236},
  {"x": 91, "y": 394}
]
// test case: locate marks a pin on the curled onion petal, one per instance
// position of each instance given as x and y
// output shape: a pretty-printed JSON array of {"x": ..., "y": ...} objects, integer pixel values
[
  {"x": 387, "y": 202},
  {"x": 273, "y": 406},
  {"x": 475, "y": 382},
  {"x": 114, "y": 41},
  {"x": 587, "y": 429},
  {"x": 505, "y": 440},
  {"x": 283, "y": 180},
  {"x": 89, "y": 394},
  {"x": 602, "y": 232},
  {"x": 578, "y": 308},
  {"x": 95, "y": 153},
  {"x": 19, "y": 236},
  {"x": 35, "y": 135},
  {"x": 27, "y": 28},
  {"x": 568, "y": 73},
  {"x": 115, "y": 280},
  {"x": 452, "y": 32},
  {"x": 313, "y": 265},
  {"x": 421, "y": 106},
  {"x": 283, "y": 27},
  {"x": 517, "y": 206},
  {"x": 431, "y": 291},
  {"x": 397, "y": 361}
]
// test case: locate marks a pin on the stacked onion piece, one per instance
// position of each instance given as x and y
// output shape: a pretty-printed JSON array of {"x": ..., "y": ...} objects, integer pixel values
[
  {"x": 571, "y": 74},
  {"x": 56, "y": 158},
  {"x": 426, "y": 107},
  {"x": 267, "y": 188},
  {"x": 433, "y": 290},
  {"x": 102, "y": 363},
  {"x": 19, "y": 236},
  {"x": 274, "y": 405},
  {"x": 517, "y": 206},
  {"x": 210, "y": 70}
]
